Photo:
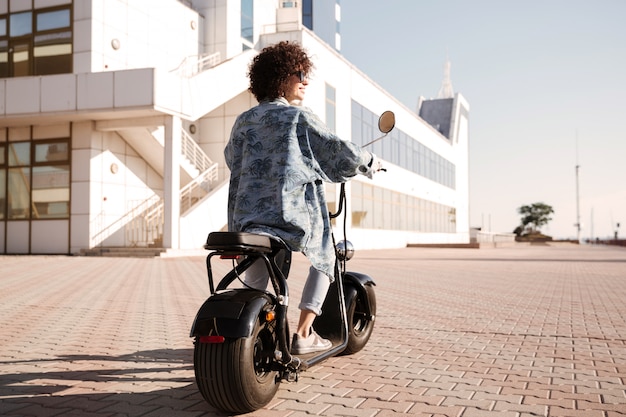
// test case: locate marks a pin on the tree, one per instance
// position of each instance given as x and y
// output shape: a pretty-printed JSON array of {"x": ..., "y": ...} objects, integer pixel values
[{"x": 535, "y": 216}]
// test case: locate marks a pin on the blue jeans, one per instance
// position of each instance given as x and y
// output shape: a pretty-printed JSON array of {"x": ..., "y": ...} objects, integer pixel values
[{"x": 313, "y": 293}]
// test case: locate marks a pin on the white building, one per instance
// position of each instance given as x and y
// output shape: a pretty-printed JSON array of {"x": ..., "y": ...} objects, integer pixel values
[{"x": 114, "y": 115}]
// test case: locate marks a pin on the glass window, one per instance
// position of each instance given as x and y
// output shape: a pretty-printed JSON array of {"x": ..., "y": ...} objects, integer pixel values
[
  {"x": 4, "y": 59},
  {"x": 330, "y": 108},
  {"x": 380, "y": 208},
  {"x": 3, "y": 182},
  {"x": 18, "y": 193},
  {"x": 3, "y": 193},
  {"x": 407, "y": 152},
  {"x": 51, "y": 192},
  {"x": 356, "y": 198},
  {"x": 453, "y": 185},
  {"x": 21, "y": 24},
  {"x": 39, "y": 42},
  {"x": 357, "y": 136},
  {"x": 53, "y": 53},
  {"x": 37, "y": 185},
  {"x": 53, "y": 20},
  {"x": 247, "y": 20},
  {"x": 21, "y": 59},
  {"x": 366, "y": 133},
  {"x": 422, "y": 164},
  {"x": 307, "y": 13},
  {"x": 400, "y": 211},
  {"x": 51, "y": 151},
  {"x": 385, "y": 200},
  {"x": 19, "y": 153},
  {"x": 377, "y": 212}
]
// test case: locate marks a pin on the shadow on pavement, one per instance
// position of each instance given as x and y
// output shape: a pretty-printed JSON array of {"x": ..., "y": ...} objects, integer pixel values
[{"x": 156, "y": 381}]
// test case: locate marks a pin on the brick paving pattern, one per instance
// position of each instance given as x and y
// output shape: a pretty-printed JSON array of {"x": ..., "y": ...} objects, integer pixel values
[{"x": 523, "y": 331}]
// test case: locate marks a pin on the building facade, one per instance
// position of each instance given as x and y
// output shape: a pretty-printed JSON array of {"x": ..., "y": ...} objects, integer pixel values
[{"x": 114, "y": 115}]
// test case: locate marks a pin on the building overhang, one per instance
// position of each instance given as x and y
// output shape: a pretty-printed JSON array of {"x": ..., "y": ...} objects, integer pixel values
[{"x": 134, "y": 93}]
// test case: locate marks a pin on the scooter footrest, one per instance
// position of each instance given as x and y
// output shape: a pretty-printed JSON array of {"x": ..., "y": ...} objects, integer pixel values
[{"x": 238, "y": 241}]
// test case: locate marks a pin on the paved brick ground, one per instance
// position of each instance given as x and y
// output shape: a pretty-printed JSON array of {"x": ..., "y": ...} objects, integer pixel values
[{"x": 524, "y": 331}]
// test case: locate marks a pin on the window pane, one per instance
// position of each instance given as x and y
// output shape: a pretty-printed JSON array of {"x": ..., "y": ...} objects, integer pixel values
[
  {"x": 3, "y": 27},
  {"x": 330, "y": 93},
  {"x": 356, "y": 198},
  {"x": 307, "y": 13},
  {"x": 51, "y": 151},
  {"x": 3, "y": 193},
  {"x": 387, "y": 149},
  {"x": 247, "y": 20},
  {"x": 53, "y": 20},
  {"x": 2, "y": 160},
  {"x": 51, "y": 192},
  {"x": 4, "y": 59},
  {"x": 19, "y": 153},
  {"x": 18, "y": 192},
  {"x": 21, "y": 24},
  {"x": 21, "y": 60},
  {"x": 367, "y": 217},
  {"x": 53, "y": 53},
  {"x": 330, "y": 108}
]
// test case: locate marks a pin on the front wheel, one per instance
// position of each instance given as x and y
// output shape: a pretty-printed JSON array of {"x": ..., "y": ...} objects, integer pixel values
[
  {"x": 236, "y": 376},
  {"x": 360, "y": 320}
]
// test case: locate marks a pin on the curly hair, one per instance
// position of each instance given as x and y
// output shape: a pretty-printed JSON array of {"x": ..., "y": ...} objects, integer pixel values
[{"x": 270, "y": 69}]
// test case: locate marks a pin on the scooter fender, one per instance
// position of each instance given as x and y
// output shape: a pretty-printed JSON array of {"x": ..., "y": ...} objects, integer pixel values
[
  {"x": 354, "y": 283},
  {"x": 231, "y": 314}
]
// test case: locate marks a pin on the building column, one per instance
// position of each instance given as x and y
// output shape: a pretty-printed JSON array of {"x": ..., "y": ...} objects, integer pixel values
[{"x": 171, "y": 183}]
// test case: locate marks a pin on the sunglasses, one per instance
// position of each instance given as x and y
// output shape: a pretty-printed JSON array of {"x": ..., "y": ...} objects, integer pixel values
[{"x": 301, "y": 75}]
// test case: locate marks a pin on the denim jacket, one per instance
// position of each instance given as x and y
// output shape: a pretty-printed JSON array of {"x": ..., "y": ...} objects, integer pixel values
[{"x": 279, "y": 155}]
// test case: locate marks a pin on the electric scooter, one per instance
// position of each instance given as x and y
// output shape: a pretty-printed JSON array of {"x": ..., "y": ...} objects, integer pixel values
[{"x": 241, "y": 335}]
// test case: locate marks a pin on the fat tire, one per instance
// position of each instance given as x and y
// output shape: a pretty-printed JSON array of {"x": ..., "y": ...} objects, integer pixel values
[
  {"x": 360, "y": 322},
  {"x": 235, "y": 376}
]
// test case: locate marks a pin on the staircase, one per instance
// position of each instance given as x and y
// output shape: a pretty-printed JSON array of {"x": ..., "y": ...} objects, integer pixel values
[{"x": 142, "y": 225}]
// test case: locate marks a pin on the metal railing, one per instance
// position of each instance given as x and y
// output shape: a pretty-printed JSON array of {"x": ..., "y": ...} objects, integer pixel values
[
  {"x": 128, "y": 222},
  {"x": 143, "y": 222},
  {"x": 198, "y": 188},
  {"x": 194, "y": 153},
  {"x": 491, "y": 237},
  {"x": 195, "y": 64},
  {"x": 146, "y": 225}
]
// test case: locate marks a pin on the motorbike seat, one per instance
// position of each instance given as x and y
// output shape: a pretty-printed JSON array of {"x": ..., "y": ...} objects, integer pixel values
[{"x": 240, "y": 241}]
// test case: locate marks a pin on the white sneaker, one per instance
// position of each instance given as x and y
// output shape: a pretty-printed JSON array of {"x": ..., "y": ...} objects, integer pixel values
[{"x": 312, "y": 343}]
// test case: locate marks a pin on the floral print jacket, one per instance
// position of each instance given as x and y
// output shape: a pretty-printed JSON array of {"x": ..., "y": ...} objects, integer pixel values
[{"x": 279, "y": 156}]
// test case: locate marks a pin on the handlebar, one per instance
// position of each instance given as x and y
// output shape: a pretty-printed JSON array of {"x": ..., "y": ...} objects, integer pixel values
[{"x": 342, "y": 198}]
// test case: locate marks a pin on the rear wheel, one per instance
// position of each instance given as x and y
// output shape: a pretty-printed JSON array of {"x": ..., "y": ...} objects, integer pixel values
[
  {"x": 360, "y": 321},
  {"x": 236, "y": 376}
]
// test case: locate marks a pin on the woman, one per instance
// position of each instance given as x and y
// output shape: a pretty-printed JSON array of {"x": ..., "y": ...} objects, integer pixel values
[{"x": 279, "y": 155}]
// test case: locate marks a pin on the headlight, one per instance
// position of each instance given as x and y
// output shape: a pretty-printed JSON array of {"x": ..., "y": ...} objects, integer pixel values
[{"x": 345, "y": 250}]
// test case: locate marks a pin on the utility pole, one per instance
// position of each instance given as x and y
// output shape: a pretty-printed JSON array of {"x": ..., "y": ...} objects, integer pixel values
[
  {"x": 577, "y": 207},
  {"x": 591, "y": 235},
  {"x": 577, "y": 194}
]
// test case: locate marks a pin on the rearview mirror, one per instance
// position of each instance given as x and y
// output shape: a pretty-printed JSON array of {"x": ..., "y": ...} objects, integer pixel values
[{"x": 386, "y": 121}]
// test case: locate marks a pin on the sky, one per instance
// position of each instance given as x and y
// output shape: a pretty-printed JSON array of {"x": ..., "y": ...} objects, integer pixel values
[{"x": 546, "y": 85}]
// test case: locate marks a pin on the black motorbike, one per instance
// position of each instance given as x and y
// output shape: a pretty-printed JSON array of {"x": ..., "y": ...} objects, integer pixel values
[{"x": 241, "y": 335}]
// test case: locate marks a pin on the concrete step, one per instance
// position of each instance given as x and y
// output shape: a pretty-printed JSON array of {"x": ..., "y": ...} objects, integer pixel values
[{"x": 123, "y": 252}]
